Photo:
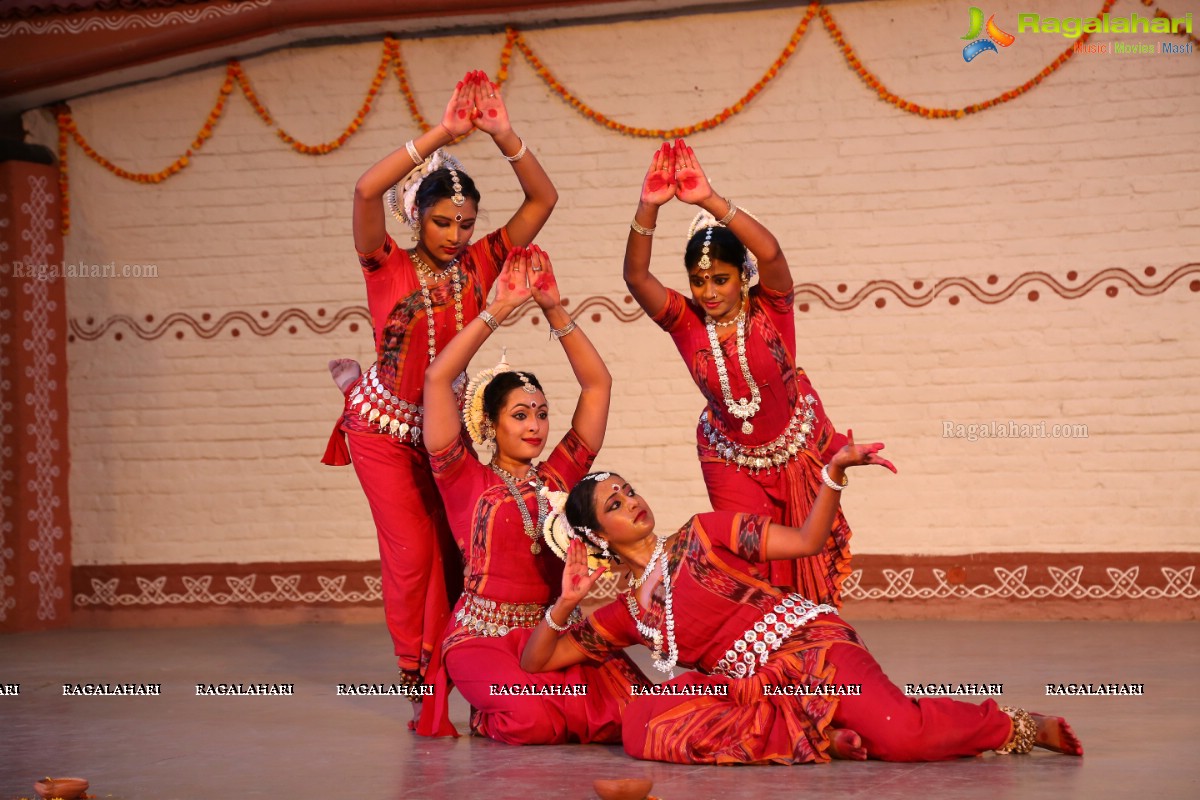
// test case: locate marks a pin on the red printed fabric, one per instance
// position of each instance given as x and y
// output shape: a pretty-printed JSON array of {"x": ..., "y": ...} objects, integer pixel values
[
  {"x": 398, "y": 318},
  {"x": 784, "y": 493}
]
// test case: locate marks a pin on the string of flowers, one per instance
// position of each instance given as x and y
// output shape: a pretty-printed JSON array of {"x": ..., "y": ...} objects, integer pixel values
[
  {"x": 942, "y": 113},
  {"x": 590, "y": 113},
  {"x": 1160, "y": 14}
]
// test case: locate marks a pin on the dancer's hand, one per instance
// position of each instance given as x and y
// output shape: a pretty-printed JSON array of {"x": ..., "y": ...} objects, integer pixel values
[
  {"x": 461, "y": 108},
  {"x": 577, "y": 579},
  {"x": 859, "y": 455},
  {"x": 491, "y": 116},
  {"x": 512, "y": 285},
  {"x": 659, "y": 185},
  {"x": 542, "y": 283},
  {"x": 691, "y": 184}
]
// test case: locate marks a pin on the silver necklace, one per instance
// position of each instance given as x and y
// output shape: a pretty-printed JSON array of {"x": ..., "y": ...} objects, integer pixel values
[
  {"x": 745, "y": 408},
  {"x": 543, "y": 506},
  {"x": 424, "y": 271},
  {"x": 667, "y": 664}
]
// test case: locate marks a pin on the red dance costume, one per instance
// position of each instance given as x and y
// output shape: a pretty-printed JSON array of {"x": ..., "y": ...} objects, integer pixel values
[
  {"x": 507, "y": 590},
  {"x": 775, "y": 470},
  {"x": 420, "y": 564},
  {"x": 745, "y": 634}
]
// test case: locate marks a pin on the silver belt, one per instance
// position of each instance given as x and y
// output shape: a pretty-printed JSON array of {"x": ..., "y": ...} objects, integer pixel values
[
  {"x": 752, "y": 649},
  {"x": 773, "y": 454},
  {"x": 393, "y": 416}
]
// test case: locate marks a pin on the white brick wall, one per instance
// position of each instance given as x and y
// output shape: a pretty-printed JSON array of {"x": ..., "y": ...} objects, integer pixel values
[{"x": 198, "y": 450}]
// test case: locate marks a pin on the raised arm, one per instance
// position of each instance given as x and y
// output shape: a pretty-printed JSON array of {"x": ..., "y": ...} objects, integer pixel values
[
  {"x": 695, "y": 189},
  {"x": 546, "y": 650},
  {"x": 784, "y": 542},
  {"x": 442, "y": 422},
  {"x": 657, "y": 188},
  {"x": 491, "y": 117},
  {"x": 590, "y": 420},
  {"x": 369, "y": 216}
]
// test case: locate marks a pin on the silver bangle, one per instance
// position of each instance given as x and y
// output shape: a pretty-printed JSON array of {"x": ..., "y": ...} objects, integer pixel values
[
  {"x": 486, "y": 316},
  {"x": 574, "y": 617},
  {"x": 413, "y": 154},
  {"x": 642, "y": 229},
  {"x": 558, "y": 333},
  {"x": 725, "y": 220},
  {"x": 519, "y": 155},
  {"x": 830, "y": 482}
]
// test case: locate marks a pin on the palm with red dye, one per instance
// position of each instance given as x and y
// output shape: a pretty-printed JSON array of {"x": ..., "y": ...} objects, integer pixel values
[
  {"x": 457, "y": 118},
  {"x": 577, "y": 579},
  {"x": 659, "y": 185},
  {"x": 691, "y": 183},
  {"x": 542, "y": 283},
  {"x": 512, "y": 285},
  {"x": 492, "y": 115}
]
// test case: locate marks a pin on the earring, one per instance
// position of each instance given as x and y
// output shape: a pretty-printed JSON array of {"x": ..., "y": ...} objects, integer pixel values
[{"x": 416, "y": 232}]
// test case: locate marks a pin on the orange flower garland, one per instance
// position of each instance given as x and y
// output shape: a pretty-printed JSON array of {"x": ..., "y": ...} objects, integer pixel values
[
  {"x": 1160, "y": 14},
  {"x": 659, "y": 133}
]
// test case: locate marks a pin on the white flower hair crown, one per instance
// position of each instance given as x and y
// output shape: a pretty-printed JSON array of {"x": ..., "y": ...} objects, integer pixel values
[
  {"x": 558, "y": 533},
  {"x": 472, "y": 410},
  {"x": 402, "y": 198}
]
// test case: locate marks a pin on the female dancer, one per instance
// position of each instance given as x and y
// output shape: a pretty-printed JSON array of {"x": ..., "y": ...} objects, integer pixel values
[
  {"x": 781, "y": 679},
  {"x": 763, "y": 435},
  {"x": 418, "y": 298},
  {"x": 496, "y": 513}
]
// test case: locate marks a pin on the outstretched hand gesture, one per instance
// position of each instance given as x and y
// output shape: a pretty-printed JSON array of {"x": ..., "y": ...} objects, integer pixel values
[
  {"x": 690, "y": 181},
  {"x": 659, "y": 186},
  {"x": 542, "y": 283},
  {"x": 512, "y": 285},
  {"x": 859, "y": 455},
  {"x": 577, "y": 579},
  {"x": 457, "y": 120},
  {"x": 491, "y": 116}
]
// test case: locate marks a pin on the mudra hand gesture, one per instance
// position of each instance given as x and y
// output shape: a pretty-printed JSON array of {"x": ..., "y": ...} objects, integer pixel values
[
  {"x": 859, "y": 455},
  {"x": 491, "y": 116},
  {"x": 512, "y": 284},
  {"x": 458, "y": 119},
  {"x": 691, "y": 184},
  {"x": 659, "y": 185},
  {"x": 577, "y": 579},
  {"x": 542, "y": 283}
]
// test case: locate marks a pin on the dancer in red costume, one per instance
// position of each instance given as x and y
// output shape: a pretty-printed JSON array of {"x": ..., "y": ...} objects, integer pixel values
[
  {"x": 418, "y": 298},
  {"x": 764, "y": 434},
  {"x": 497, "y": 512},
  {"x": 781, "y": 679}
]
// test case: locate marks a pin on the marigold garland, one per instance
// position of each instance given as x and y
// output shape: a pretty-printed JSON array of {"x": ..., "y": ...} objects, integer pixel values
[
  {"x": 391, "y": 57},
  {"x": 1160, "y": 14}
]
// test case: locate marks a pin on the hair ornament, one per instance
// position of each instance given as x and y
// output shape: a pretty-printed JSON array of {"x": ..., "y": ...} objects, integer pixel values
[
  {"x": 705, "y": 220},
  {"x": 472, "y": 407},
  {"x": 526, "y": 385},
  {"x": 402, "y": 198},
  {"x": 597, "y": 476}
]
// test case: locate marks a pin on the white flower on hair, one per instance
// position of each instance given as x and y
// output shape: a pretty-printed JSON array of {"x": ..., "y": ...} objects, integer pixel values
[{"x": 402, "y": 198}]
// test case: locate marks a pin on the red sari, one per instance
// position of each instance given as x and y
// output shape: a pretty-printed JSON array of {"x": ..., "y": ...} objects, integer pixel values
[
  {"x": 419, "y": 562},
  {"x": 719, "y": 604},
  {"x": 507, "y": 590},
  {"x": 790, "y": 416}
]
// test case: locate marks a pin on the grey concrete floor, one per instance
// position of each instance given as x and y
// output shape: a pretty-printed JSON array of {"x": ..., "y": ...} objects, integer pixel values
[{"x": 316, "y": 745}]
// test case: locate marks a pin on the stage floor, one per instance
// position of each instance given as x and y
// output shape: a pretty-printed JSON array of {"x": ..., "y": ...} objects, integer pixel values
[{"x": 316, "y": 745}]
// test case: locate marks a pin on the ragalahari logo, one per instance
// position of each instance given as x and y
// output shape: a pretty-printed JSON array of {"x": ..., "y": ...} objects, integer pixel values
[{"x": 994, "y": 37}]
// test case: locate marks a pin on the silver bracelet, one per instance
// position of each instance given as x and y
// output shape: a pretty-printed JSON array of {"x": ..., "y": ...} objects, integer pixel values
[
  {"x": 519, "y": 155},
  {"x": 642, "y": 229},
  {"x": 725, "y": 220},
  {"x": 412, "y": 153},
  {"x": 558, "y": 333},
  {"x": 575, "y": 617},
  {"x": 830, "y": 482},
  {"x": 486, "y": 316}
]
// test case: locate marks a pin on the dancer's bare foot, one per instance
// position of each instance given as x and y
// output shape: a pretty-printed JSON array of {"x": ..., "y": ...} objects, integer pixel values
[
  {"x": 1055, "y": 734},
  {"x": 345, "y": 371},
  {"x": 845, "y": 744}
]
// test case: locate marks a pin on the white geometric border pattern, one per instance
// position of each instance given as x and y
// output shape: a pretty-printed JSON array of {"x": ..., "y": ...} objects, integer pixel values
[
  {"x": 116, "y": 22},
  {"x": 199, "y": 591},
  {"x": 7, "y": 476},
  {"x": 1011, "y": 584}
]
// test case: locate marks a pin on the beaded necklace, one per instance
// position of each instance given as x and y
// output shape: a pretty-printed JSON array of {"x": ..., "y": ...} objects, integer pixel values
[
  {"x": 424, "y": 271},
  {"x": 543, "y": 506},
  {"x": 667, "y": 664},
  {"x": 744, "y": 408}
]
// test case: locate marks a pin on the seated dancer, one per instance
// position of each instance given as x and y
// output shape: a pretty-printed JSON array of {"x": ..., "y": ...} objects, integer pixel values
[
  {"x": 496, "y": 513},
  {"x": 786, "y": 668},
  {"x": 763, "y": 435}
]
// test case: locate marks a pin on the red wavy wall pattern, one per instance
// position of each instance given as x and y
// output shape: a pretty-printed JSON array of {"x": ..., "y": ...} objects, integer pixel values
[{"x": 952, "y": 289}]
